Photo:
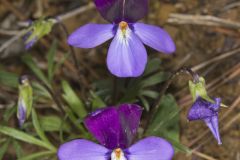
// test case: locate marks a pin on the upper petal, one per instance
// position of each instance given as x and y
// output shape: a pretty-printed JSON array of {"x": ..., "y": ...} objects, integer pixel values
[
  {"x": 151, "y": 148},
  {"x": 129, "y": 115},
  {"x": 202, "y": 109},
  {"x": 127, "y": 56},
  {"x": 114, "y": 127},
  {"x": 82, "y": 150},
  {"x": 122, "y": 10},
  {"x": 105, "y": 125},
  {"x": 155, "y": 37},
  {"x": 91, "y": 35}
]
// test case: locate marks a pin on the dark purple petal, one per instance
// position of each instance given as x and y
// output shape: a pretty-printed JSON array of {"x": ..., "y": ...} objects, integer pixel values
[
  {"x": 114, "y": 127},
  {"x": 127, "y": 56},
  {"x": 91, "y": 35},
  {"x": 202, "y": 109},
  {"x": 122, "y": 10},
  {"x": 151, "y": 148},
  {"x": 104, "y": 124},
  {"x": 212, "y": 124},
  {"x": 129, "y": 115},
  {"x": 82, "y": 150},
  {"x": 155, "y": 37}
]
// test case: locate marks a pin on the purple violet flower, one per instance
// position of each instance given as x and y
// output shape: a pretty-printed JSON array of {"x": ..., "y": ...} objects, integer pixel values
[
  {"x": 208, "y": 112},
  {"x": 127, "y": 56},
  {"x": 115, "y": 128}
]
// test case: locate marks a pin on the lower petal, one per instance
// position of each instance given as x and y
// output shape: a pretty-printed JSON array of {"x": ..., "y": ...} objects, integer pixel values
[
  {"x": 212, "y": 124},
  {"x": 127, "y": 56},
  {"x": 155, "y": 37},
  {"x": 91, "y": 35},
  {"x": 82, "y": 150},
  {"x": 151, "y": 148}
]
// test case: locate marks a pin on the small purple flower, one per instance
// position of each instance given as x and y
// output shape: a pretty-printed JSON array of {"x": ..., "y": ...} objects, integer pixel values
[
  {"x": 127, "y": 56},
  {"x": 115, "y": 128},
  {"x": 208, "y": 112}
]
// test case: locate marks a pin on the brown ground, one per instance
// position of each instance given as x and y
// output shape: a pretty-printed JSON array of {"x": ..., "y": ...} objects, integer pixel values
[{"x": 196, "y": 45}]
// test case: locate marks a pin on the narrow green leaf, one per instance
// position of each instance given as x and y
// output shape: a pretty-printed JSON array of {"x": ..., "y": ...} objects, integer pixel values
[
  {"x": 14, "y": 133},
  {"x": 73, "y": 100},
  {"x": 50, "y": 58},
  {"x": 35, "y": 156},
  {"x": 97, "y": 102},
  {"x": 38, "y": 128},
  {"x": 18, "y": 148},
  {"x": 53, "y": 123},
  {"x": 28, "y": 60},
  {"x": 9, "y": 112},
  {"x": 4, "y": 148},
  {"x": 8, "y": 79}
]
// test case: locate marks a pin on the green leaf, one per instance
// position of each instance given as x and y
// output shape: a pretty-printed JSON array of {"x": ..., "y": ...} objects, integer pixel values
[
  {"x": 14, "y": 133},
  {"x": 38, "y": 128},
  {"x": 9, "y": 112},
  {"x": 4, "y": 148},
  {"x": 28, "y": 60},
  {"x": 154, "y": 79},
  {"x": 73, "y": 100},
  {"x": 97, "y": 102},
  {"x": 39, "y": 155},
  {"x": 8, "y": 79},
  {"x": 166, "y": 121},
  {"x": 18, "y": 148},
  {"x": 50, "y": 58},
  {"x": 53, "y": 123}
]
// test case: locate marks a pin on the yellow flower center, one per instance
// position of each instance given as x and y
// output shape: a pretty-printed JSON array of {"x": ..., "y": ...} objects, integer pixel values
[
  {"x": 118, "y": 154},
  {"x": 123, "y": 26}
]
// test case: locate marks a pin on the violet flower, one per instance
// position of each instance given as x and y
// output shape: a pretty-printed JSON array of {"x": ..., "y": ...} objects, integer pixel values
[
  {"x": 127, "y": 56},
  {"x": 114, "y": 128},
  {"x": 208, "y": 112}
]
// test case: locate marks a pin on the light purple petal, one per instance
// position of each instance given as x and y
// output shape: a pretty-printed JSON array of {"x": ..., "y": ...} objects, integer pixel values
[
  {"x": 155, "y": 37},
  {"x": 212, "y": 124},
  {"x": 91, "y": 35},
  {"x": 127, "y": 56},
  {"x": 82, "y": 150},
  {"x": 122, "y": 10},
  {"x": 202, "y": 109},
  {"x": 151, "y": 148},
  {"x": 114, "y": 127}
]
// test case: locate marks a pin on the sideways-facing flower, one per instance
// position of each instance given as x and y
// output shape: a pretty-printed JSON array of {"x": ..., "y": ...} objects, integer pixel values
[
  {"x": 208, "y": 112},
  {"x": 127, "y": 56},
  {"x": 25, "y": 100},
  {"x": 115, "y": 128},
  {"x": 204, "y": 108}
]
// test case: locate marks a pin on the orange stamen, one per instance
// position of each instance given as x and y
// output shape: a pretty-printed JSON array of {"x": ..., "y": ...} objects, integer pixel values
[
  {"x": 123, "y": 25},
  {"x": 118, "y": 152}
]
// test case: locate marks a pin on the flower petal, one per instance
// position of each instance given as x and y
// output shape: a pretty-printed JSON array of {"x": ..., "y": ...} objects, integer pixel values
[
  {"x": 122, "y": 10},
  {"x": 82, "y": 150},
  {"x": 212, "y": 124},
  {"x": 151, "y": 148},
  {"x": 104, "y": 124},
  {"x": 127, "y": 56},
  {"x": 129, "y": 115},
  {"x": 91, "y": 35},
  {"x": 202, "y": 109},
  {"x": 155, "y": 37},
  {"x": 114, "y": 127}
]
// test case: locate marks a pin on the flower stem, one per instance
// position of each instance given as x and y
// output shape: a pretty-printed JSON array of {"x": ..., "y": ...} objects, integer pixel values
[{"x": 154, "y": 108}]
